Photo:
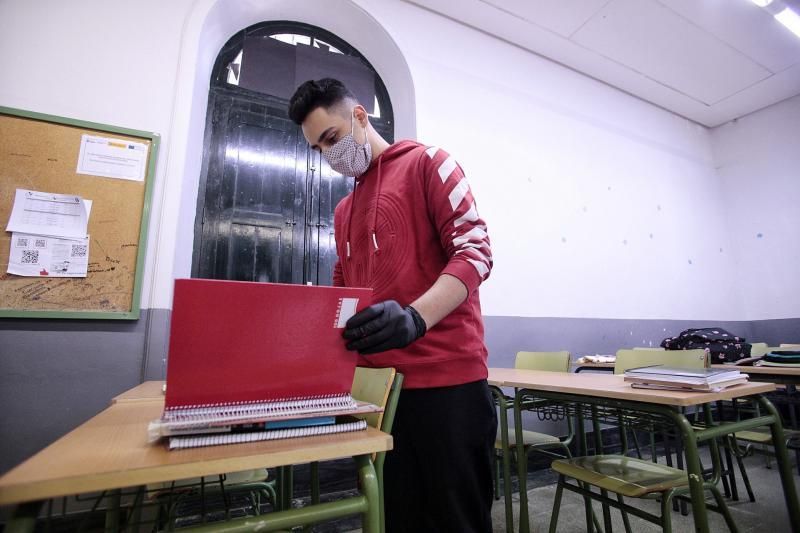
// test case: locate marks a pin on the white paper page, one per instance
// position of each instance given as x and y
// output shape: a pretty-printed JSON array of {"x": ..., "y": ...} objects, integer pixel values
[
  {"x": 112, "y": 158},
  {"x": 43, "y": 213},
  {"x": 41, "y": 256}
]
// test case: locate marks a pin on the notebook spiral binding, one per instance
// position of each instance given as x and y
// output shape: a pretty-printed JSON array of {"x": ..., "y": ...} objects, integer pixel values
[
  {"x": 255, "y": 436},
  {"x": 186, "y": 416}
]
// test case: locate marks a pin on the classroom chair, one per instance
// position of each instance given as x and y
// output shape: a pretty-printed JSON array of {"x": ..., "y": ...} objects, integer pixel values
[
  {"x": 636, "y": 357},
  {"x": 628, "y": 476},
  {"x": 532, "y": 441},
  {"x": 379, "y": 386},
  {"x": 758, "y": 348},
  {"x": 698, "y": 358}
]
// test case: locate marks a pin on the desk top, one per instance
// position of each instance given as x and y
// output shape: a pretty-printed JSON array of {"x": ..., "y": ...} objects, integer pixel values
[
  {"x": 775, "y": 370},
  {"x": 111, "y": 451},
  {"x": 147, "y": 391},
  {"x": 603, "y": 385}
]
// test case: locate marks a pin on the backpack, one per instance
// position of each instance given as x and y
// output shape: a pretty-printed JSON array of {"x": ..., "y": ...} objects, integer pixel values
[{"x": 723, "y": 346}]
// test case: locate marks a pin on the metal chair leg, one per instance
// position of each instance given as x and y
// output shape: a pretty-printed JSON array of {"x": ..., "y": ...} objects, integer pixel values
[{"x": 557, "y": 506}]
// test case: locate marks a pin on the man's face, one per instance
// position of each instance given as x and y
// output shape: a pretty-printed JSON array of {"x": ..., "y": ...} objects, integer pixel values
[{"x": 323, "y": 128}]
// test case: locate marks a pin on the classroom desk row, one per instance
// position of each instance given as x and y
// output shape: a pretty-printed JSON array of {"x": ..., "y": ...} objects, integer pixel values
[
  {"x": 111, "y": 452},
  {"x": 606, "y": 391}
]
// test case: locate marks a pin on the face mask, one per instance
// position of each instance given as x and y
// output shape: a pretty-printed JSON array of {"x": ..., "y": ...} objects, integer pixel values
[{"x": 347, "y": 157}]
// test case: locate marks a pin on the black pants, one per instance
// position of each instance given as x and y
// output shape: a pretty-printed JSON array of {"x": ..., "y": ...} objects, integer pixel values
[{"x": 438, "y": 476}]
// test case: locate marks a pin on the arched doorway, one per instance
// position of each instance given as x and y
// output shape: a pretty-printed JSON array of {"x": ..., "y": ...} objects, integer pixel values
[{"x": 266, "y": 200}]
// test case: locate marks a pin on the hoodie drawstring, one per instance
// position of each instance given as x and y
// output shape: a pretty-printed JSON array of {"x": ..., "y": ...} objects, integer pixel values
[{"x": 373, "y": 228}]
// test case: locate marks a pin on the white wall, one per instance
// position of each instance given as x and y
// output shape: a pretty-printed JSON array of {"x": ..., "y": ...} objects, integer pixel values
[
  {"x": 758, "y": 159},
  {"x": 572, "y": 176}
]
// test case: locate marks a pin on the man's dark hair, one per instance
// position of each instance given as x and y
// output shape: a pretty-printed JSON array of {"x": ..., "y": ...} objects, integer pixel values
[{"x": 324, "y": 93}]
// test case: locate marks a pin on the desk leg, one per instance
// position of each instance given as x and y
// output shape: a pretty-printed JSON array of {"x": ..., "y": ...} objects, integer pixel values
[
  {"x": 695, "y": 472},
  {"x": 782, "y": 458},
  {"x": 112, "y": 513},
  {"x": 522, "y": 466},
  {"x": 24, "y": 518},
  {"x": 368, "y": 480},
  {"x": 502, "y": 407},
  {"x": 598, "y": 450}
]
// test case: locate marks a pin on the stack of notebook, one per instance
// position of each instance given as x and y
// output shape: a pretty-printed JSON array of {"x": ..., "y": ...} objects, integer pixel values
[
  {"x": 258, "y": 361},
  {"x": 685, "y": 379},
  {"x": 781, "y": 358}
]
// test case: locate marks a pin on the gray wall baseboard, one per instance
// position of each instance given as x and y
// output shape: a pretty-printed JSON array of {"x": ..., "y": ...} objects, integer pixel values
[{"x": 56, "y": 374}]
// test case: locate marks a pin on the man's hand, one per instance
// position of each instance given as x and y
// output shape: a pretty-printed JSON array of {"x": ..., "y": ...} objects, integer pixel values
[{"x": 383, "y": 326}]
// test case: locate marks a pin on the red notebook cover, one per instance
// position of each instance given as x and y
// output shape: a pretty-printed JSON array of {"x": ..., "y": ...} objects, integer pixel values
[{"x": 238, "y": 341}]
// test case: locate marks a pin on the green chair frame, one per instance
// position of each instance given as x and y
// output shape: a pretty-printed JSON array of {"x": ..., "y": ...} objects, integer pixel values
[
  {"x": 634, "y": 477},
  {"x": 382, "y": 387},
  {"x": 533, "y": 441}
]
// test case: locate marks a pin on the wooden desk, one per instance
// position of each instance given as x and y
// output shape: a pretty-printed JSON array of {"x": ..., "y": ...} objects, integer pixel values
[
  {"x": 111, "y": 451},
  {"x": 147, "y": 391},
  {"x": 610, "y": 391},
  {"x": 771, "y": 374}
]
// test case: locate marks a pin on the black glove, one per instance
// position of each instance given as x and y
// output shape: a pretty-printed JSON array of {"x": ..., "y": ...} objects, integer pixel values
[{"x": 383, "y": 326}]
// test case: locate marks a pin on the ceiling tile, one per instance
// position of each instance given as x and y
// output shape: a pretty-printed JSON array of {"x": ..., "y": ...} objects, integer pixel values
[
  {"x": 657, "y": 43},
  {"x": 744, "y": 26},
  {"x": 559, "y": 16}
]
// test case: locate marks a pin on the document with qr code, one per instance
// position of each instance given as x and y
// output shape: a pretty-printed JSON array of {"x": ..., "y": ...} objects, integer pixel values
[{"x": 40, "y": 256}]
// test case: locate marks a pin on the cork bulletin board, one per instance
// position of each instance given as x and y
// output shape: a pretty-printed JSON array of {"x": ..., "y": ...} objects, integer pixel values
[{"x": 40, "y": 153}]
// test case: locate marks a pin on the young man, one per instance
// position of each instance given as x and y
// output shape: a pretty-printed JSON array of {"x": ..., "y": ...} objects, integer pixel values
[{"x": 411, "y": 231}]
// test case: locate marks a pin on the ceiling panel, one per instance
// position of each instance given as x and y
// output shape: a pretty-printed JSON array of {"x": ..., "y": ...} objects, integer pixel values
[
  {"x": 656, "y": 42},
  {"x": 559, "y": 16},
  {"x": 710, "y": 61},
  {"x": 746, "y": 27}
]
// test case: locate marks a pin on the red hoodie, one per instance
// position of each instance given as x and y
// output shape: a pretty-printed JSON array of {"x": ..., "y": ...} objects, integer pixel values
[{"x": 411, "y": 218}]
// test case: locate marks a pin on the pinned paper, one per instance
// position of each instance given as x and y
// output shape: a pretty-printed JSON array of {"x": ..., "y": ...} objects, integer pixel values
[
  {"x": 42, "y": 256},
  {"x": 112, "y": 158},
  {"x": 44, "y": 213}
]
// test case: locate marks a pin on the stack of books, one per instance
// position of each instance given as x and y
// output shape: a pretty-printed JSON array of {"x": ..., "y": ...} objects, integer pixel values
[
  {"x": 684, "y": 379},
  {"x": 258, "y": 361}
]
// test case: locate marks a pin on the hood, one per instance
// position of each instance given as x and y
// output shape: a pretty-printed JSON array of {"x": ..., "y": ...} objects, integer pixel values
[{"x": 395, "y": 150}]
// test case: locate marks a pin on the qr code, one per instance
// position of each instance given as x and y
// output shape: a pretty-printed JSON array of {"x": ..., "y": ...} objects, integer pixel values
[
  {"x": 78, "y": 250},
  {"x": 22, "y": 242},
  {"x": 30, "y": 257}
]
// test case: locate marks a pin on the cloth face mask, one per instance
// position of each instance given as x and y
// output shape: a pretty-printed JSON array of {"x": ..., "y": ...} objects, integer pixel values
[{"x": 347, "y": 157}]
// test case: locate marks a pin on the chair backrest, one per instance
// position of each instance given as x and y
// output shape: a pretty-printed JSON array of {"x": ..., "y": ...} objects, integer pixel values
[
  {"x": 656, "y": 348},
  {"x": 549, "y": 361},
  {"x": 758, "y": 348},
  {"x": 373, "y": 385},
  {"x": 790, "y": 345},
  {"x": 681, "y": 358}
]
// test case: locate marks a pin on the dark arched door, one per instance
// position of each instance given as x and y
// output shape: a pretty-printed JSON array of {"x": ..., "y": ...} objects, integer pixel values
[{"x": 266, "y": 200}]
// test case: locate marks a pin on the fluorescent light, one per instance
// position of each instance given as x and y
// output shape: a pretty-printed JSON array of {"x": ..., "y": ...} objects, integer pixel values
[
  {"x": 762, "y": 3},
  {"x": 790, "y": 19}
]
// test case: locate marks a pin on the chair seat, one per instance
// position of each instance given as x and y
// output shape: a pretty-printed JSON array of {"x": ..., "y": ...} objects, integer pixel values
[
  {"x": 529, "y": 438},
  {"x": 624, "y": 475},
  {"x": 764, "y": 437}
]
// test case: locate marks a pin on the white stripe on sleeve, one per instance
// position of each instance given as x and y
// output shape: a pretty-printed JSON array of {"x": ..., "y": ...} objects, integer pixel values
[
  {"x": 475, "y": 234},
  {"x": 432, "y": 151},
  {"x": 470, "y": 216},
  {"x": 447, "y": 168},
  {"x": 480, "y": 267},
  {"x": 458, "y": 193}
]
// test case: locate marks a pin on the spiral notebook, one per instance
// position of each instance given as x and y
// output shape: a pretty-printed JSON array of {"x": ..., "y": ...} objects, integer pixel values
[{"x": 242, "y": 354}]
